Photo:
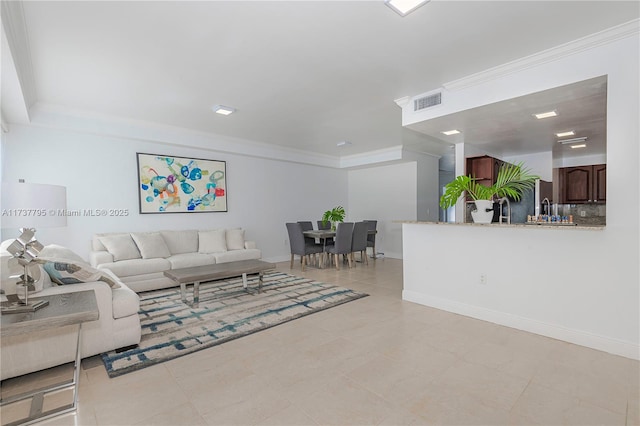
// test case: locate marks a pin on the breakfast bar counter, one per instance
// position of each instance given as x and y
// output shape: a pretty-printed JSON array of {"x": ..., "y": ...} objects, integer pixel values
[
  {"x": 544, "y": 279},
  {"x": 534, "y": 225}
]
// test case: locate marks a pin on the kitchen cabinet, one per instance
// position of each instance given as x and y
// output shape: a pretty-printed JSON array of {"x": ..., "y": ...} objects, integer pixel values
[
  {"x": 584, "y": 184},
  {"x": 484, "y": 169}
]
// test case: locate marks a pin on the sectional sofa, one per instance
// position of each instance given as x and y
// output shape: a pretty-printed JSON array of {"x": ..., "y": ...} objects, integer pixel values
[
  {"x": 139, "y": 259},
  {"x": 118, "y": 324}
]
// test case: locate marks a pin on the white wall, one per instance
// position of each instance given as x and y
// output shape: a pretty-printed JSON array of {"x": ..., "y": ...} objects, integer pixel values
[
  {"x": 428, "y": 179},
  {"x": 387, "y": 194},
  {"x": 100, "y": 172},
  {"x": 584, "y": 160},
  {"x": 582, "y": 286},
  {"x": 539, "y": 163},
  {"x": 554, "y": 282}
]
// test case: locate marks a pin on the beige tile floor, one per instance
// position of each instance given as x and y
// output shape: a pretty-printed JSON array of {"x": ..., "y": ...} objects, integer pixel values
[{"x": 375, "y": 361}]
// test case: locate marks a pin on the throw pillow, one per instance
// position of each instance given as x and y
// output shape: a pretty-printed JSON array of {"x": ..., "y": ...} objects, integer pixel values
[
  {"x": 213, "y": 241},
  {"x": 151, "y": 245},
  {"x": 181, "y": 241},
  {"x": 63, "y": 272},
  {"x": 120, "y": 246},
  {"x": 60, "y": 252},
  {"x": 235, "y": 239}
]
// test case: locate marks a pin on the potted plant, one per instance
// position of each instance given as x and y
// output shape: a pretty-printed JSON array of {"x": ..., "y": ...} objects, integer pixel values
[
  {"x": 511, "y": 182},
  {"x": 334, "y": 216}
]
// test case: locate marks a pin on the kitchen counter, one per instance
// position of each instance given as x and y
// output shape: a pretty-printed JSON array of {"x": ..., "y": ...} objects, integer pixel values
[{"x": 564, "y": 226}]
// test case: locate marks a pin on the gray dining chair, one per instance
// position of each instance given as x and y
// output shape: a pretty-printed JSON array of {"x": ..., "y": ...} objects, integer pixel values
[
  {"x": 299, "y": 246},
  {"x": 342, "y": 245},
  {"x": 307, "y": 226},
  {"x": 371, "y": 238},
  {"x": 359, "y": 242},
  {"x": 324, "y": 225}
]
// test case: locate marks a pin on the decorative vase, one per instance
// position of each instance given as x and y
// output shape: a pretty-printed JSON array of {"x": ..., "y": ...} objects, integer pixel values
[{"x": 483, "y": 212}]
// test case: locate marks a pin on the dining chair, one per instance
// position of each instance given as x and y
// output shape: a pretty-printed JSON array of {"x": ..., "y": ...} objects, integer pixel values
[
  {"x": 371, "y": 238},
  {"x": 359, "y": 242},
  {"x": 324, "y": 225},
  {"x": 307, "y": 226},
  {"x": 299, "y": 246},
  {"x": 342, "y": 245}
]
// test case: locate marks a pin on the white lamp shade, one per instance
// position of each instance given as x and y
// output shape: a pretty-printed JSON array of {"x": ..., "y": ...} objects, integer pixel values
[{"x": 33, "y": 205}]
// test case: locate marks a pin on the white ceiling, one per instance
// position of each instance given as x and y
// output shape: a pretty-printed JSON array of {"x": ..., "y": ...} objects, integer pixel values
[
  {"x": 508, "y": 128},
  {"x": 302, "y": 74}
]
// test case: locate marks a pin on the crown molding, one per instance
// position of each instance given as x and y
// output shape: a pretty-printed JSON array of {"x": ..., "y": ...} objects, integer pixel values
[
  {"x": 376, "y": 157},
  {"x": 413, "y": 151},
  {"x": 628, "y": 29},
  {"x": 15, "y": 30},
  {"x": 401, "y": 102},
  {"x": 59, "y": 118}
]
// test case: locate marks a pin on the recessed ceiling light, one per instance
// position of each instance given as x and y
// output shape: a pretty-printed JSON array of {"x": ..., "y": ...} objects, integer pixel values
[
  {"x": 582, "y": 145},
  {"x": 451, "y": 132},
  {"x": 563, "y": 134},
  {"x": 224, "y": 110},
  {"x": 404, "y": 7},
  {"x": 545, "y": 114},
  {"x": 343, "y": 143},
  {"x": 573, "y": 140}
]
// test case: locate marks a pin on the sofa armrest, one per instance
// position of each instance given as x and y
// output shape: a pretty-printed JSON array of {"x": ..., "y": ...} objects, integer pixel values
[
  {"x": 250, "y": 244},
  {"x": 101, "y": 289},
  {"x": 99, "y": 257}
]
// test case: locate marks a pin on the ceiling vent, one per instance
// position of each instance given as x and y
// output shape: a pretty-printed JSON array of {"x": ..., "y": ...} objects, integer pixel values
[{"x": 427, "y": 101}]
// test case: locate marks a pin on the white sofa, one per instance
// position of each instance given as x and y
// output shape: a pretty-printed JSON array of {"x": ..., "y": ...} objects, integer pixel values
[
  {"x": 118, "y": 325},
  {"x": 139, "y": 259}
]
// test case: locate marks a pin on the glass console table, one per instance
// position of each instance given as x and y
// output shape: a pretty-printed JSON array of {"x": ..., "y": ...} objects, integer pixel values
[{"x": 68, "y": 309}]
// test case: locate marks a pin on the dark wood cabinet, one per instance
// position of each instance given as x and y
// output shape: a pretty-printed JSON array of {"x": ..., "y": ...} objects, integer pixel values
[
  {"x": 584, "y": 184},
  {"x": 484, "y": 169},
  {"x": 600, "y": 183}
]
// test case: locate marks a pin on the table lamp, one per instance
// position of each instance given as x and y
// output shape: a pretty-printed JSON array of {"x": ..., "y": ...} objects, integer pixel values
[{"x": 30, "y": 206}]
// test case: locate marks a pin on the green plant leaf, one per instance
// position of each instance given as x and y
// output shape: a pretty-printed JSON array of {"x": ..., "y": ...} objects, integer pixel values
[
  {"x": 512, "y": 181},
  {"x": 336, "y": 214}
]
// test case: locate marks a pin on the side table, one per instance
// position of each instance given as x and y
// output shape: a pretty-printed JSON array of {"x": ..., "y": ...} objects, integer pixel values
[{"x": 63, "y": 310}]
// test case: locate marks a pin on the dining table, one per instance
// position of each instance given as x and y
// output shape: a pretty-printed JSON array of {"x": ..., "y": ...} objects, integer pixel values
[{"x": 325, "y": 234}]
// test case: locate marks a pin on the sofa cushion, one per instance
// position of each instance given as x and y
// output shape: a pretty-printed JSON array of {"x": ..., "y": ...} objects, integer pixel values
[
  {"x": 187, "y": 260},
  {"x": 181, "y": 241},
  {"x": 129, "y": 267},
  {"x": 234, "y": 255},
  {"x": 213, "y": 241},
  {"x": 150, "y": 244},
  {"x": 59, "y": 252},
  {"x": 64, "y": 272},
  {"x": 121, "y": 246},
  {"x": 235, "y": 239}
]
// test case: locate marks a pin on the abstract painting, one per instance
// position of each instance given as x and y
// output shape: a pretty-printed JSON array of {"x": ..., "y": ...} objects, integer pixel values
[{"x": 170, "y": 184}]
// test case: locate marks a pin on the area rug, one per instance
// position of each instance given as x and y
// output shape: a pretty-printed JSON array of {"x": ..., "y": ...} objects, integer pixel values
[{"x": 171, "y": 329}]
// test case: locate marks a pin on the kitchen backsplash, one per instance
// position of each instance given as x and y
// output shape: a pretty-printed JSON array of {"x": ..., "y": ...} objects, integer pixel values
[
  {"x": 585, "y": 214},
  {"x": 594, "y": 214}
]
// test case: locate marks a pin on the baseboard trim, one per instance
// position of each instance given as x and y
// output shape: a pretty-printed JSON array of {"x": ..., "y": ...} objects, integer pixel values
[{"x": 578, "y": 337}]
